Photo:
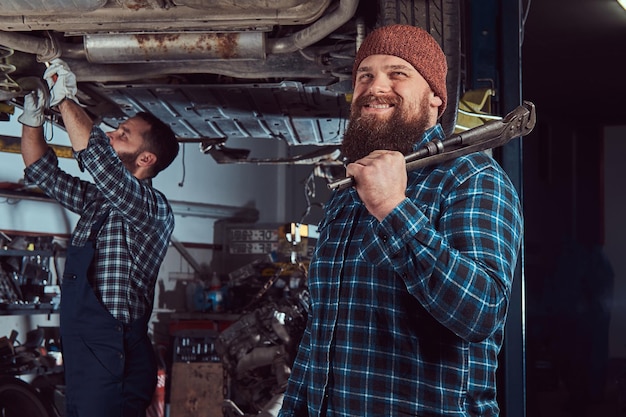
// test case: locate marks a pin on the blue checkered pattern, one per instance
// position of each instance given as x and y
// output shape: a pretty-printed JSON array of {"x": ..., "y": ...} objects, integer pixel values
[
  {"x": 133, "y": 239},
  {"x": 407, "y": 315}
]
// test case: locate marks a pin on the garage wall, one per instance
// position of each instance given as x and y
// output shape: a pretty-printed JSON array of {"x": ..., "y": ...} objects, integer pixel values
[{"x": 194, "y": 179}]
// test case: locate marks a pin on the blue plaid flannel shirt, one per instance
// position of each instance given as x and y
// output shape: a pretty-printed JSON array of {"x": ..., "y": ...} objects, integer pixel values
[
  {"x": 407, "y": 315},
  {"x": 133, "y": 239}
]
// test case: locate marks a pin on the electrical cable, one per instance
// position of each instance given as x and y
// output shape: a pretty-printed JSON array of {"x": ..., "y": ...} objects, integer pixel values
[{"x": 182, "y": 181}]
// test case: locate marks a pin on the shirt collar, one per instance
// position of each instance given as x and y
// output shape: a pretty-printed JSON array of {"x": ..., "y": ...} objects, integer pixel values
[{"x": 435, "y": 132}]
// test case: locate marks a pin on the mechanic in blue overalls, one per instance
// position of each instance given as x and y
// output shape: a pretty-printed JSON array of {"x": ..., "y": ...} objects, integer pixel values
[{"x": 116, "y": 248}]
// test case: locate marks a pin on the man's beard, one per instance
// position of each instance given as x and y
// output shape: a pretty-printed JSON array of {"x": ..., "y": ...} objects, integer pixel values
[
  {"x": 399, "y": 132},
  {"x": 128, "y": 159}
]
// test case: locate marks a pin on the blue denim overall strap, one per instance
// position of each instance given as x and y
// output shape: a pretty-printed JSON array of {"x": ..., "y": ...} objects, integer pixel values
[{"x": 110, "y": 368}]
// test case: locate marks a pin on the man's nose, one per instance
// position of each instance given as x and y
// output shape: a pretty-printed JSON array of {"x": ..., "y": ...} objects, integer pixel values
[{"x": 379, "y": 85}]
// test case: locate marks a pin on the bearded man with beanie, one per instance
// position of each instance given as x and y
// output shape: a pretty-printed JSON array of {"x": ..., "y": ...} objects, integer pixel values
[{"x": 411, "y": 278}]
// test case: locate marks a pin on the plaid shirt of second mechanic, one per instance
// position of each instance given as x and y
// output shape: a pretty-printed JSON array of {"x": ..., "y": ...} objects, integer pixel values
[
  {"x": 407, "y": 315},
  {"x": 133, "y": 239}
]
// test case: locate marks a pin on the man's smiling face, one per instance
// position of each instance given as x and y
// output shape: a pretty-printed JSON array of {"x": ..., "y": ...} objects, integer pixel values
[
  {"x": 384, "y": 82},
  {"x": 392, "y": 106}
]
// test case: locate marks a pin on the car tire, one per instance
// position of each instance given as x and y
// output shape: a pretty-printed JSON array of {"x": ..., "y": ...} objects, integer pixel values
[
  {"x": 442, "y": 19},
  {"x": 19, "y": 399}
]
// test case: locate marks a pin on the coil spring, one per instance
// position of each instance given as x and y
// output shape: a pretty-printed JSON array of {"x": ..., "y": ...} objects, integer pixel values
[{"x": 8, "y": 88}]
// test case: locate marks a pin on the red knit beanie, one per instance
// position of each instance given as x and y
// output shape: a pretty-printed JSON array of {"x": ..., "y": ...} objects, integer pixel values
[{"x": 414, "y": 45}]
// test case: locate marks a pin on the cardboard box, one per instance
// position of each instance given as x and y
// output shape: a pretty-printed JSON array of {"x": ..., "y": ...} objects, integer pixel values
[{"x": 197, "y": 389}]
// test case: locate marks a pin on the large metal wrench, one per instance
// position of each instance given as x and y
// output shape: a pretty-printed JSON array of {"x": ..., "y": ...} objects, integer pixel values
[{"x": 494, "y": 133}]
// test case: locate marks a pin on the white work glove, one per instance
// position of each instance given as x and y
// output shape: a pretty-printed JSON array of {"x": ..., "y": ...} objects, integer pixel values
[
  {"x": 61, "y": 80},
  {"x": 34, "y": 105}
]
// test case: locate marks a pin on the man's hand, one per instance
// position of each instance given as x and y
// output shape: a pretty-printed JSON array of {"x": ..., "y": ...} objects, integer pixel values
[
  {"x": 380, "y": 180},
  {"x": 61, "y": 80},
  {"x": 35, "y": 103}
]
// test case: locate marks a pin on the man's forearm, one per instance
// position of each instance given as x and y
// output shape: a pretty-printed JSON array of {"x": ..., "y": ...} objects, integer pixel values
[
  {"x": 33, "y": 144},
  {"x": 77, "y": 123}
]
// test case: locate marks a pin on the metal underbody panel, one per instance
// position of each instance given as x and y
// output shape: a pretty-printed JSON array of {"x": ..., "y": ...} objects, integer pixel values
[
  {"x": 213, "y": 70},
  {"x": 92, "y": 16},
  {"x": 289, "y": 111}
]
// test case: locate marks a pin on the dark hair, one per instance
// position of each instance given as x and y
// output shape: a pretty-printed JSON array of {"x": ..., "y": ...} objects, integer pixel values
[{"x": 160, "y": 140}]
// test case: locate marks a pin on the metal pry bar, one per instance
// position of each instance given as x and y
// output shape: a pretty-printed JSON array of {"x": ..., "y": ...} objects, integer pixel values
[{"x": 494, "y": 133}]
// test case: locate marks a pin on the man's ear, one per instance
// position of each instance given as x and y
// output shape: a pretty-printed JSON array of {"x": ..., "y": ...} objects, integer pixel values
[
  {"x": 146, "y": 159},
  {"x": 436, "y": 101}
]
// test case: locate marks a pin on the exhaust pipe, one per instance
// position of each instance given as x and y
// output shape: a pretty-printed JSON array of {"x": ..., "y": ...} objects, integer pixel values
[{"x": 163, "y": 47}]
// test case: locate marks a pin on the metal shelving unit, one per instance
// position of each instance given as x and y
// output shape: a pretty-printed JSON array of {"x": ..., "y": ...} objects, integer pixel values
[{"x": 24, "y": 278}]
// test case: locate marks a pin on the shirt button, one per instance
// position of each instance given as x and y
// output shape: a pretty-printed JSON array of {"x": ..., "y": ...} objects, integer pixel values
[
  {"x": 118, "y": 328},
  {"x": 120, "y": 355},
  {"x": 384, "y": 237}
]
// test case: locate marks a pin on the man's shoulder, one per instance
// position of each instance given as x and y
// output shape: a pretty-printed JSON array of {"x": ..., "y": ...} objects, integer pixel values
[
  {"x": 456, "y": 171},
  {"x": 472, "y": 164}
]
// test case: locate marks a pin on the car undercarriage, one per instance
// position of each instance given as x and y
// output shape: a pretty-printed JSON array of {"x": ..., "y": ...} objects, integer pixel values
[{"x": 215, "y": 70}]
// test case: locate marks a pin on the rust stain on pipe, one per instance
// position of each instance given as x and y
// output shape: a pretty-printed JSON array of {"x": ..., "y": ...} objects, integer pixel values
[
  {"x": 226, "y": 44},
  {"x": 137, "y": 5}
]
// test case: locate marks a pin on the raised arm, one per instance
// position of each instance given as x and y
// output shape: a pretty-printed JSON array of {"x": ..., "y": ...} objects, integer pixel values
[
  {"x": 33, "y": 143},
  {"x": 62, "y": 83},
  {"x": 77, "y": 123}
]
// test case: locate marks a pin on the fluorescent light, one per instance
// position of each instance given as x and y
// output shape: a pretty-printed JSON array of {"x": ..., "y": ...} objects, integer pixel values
[{"x": 622, "y": 3}]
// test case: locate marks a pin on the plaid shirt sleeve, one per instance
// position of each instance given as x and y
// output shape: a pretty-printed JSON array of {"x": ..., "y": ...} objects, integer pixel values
[
  {"x": 141, "y": 207},
  {"x": 461, "y": 271},
  {"x": 71, "y": 192}
]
